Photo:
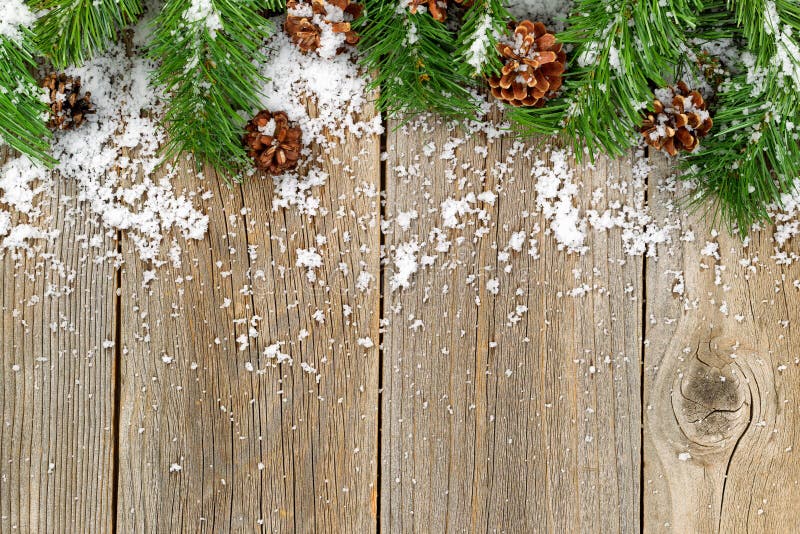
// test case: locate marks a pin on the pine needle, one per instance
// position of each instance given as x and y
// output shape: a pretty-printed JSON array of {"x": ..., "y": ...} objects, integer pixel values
[{"x": 23, "y": 111}]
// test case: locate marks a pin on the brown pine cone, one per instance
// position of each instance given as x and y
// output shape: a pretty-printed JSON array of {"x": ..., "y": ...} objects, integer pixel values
[
  {"x": 306, "y": 33},
  {"x": 438, "y": 8},
  {"x": 68, "y": 109},
  {"x": 680, "y": 123},
  {"x": 273, "y": 142},
  {"x": 532, "y": 66}
]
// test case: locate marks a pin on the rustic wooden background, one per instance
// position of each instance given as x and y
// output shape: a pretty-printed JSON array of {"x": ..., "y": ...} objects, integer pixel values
[{"x": 687, "y": 423}]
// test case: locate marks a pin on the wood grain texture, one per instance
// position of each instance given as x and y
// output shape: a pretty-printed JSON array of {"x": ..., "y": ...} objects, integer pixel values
[
  {"x": 272, "y": 449},
  {"x": 491, "y": 426},
  {"x": 512, "y": 409},
  {"x": 56, "y": 376},
  {"x": 721, "y": 383}
]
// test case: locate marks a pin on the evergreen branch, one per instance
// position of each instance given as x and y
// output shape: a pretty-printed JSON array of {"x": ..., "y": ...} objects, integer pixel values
[
  {"x": 768, "y": 26},
  {"x": 621, "y": 49},
  {"x": 412, "y": 56},
  {"x": 209, "y": 52},
  {"x": 754, "y": 156},
  {"x": 73, "y": 31},
  {"x": 484, "y": 22},
  {"x": 606, "y": 88},
  {"x": 749, "y": 163},
  {"x": 23, "y": 110}
]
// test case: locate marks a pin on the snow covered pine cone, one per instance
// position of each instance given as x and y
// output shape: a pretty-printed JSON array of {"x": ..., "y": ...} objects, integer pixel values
[
  {"x": 438, "y": 8},
  {"x": 532, "y": 66},
  {"x": 337, "y": 14},
  {"x": 680, "y": 123},
  {"x": 273, "y": 142},
  {"x": 68, "y": 109}
]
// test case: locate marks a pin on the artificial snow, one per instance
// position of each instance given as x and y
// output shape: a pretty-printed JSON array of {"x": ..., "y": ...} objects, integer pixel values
[
  {"x": 14, "y": 14},
  {"x": 203, "y": 12},
  {"x": 111, "y": 161},
  {"x": 334, "y": 85},
  {"x": 112, "y": 165},
  {"x": 481, "y": 43},
  {"x": 552, "y": 12},
  {"x": 405, "y": 263}
]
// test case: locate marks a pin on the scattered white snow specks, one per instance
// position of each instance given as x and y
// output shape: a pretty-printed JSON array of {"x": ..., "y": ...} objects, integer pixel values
[
  {"x": 453, "y": 210},
  {"x": 204, "y": 12},
  {"x": 274, "y": 352},
  {"x": 5, "y": 222},
  {"x": 787, "y": 51},
  {"x": 552, "y": 12},
  {"x": 14, "y": 14},
  {"x": 311, "y": 260},
  {"x": 335, "y": 86},
  {"x": 404, "y": 218},
  {"x": 555, "y": 198},
  {"x": 481, "y": 43},
  {"x": 405, "y": 262},
  {"x": 117, "y": 187}
]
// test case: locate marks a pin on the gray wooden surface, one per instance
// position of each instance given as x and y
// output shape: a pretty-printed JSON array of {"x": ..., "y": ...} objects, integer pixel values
[
  {"x": 57, "y": 380},
  {"x": 629, "y": 408},
  {"x": 487, "y": 426},
  {"x": 721, "y": 389}
]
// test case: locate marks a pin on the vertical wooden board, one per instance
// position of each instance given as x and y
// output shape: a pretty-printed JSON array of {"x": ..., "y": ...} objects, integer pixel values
[
  {"x": 495, "y": 417},
  {"x": 721, "y": 382},
  {"x": 270, "y": 449},
  {"x": 56, "y": 380}
]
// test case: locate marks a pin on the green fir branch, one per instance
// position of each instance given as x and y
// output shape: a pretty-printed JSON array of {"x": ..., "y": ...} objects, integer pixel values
[
  {"x": 23, "y": 111},
  {"x": 752, "y": 156},
  {"x": 621, "y": 50},
  {"x": 476, "y": 49},
  {"x": 71, "y": 32},
  {"x": 413, "y": 60},
  {"x": 209, "y": 71}
]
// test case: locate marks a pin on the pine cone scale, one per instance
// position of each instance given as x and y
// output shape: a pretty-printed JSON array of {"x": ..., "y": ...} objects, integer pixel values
[
  {"x": 552, "y": 71},
  {"x": 437, "y": 8},
  {"x": 546, "y": 42},
  {"x": 545, "y": 57},
  {"x": 304, "y": 33}
]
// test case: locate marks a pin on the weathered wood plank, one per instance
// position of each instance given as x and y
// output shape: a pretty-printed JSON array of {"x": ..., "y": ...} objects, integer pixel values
[
  {"x": 272, "y": 449},
  {"x": 56, "y": 376},
  {"x": 490, "y": 425},
  {"x": 721, "y": 384}
]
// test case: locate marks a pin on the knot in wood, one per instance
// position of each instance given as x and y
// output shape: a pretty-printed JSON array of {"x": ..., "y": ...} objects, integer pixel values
[{"x": 711, "y": 398}]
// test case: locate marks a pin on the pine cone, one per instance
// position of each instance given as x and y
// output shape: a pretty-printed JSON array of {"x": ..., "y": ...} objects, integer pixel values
[
  {"x": 68, "y": 109},
  {"x": 272, "y": 142},
  {"x": 532, "y": 66},
  {"x": 438, "y": 8},
  {"x": 678, "y": 125},
  {"x": 306, "y": 33}
]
